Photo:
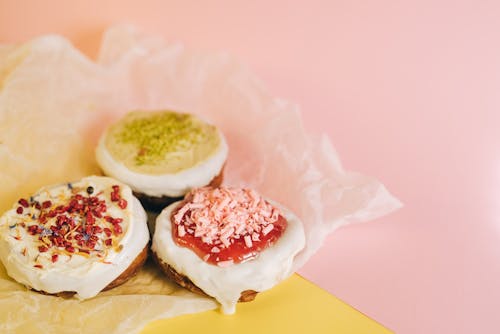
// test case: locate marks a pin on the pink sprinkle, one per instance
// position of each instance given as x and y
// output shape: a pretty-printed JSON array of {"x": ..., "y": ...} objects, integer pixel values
[
  {"x": 178, "y": 216},
  {"x": 227, "y": 232},
  {"x": 267, "y": 229},
  {"x": 215, "y": 249},
  {"x": 248, "y": 241},
  {"x": 225, "y": 242},
  {"x": 224, "y": 264},
  {"x": 195, "y": 206},
  {"x": 181, "y": 231},
  {"x": 275, "y": 214}
]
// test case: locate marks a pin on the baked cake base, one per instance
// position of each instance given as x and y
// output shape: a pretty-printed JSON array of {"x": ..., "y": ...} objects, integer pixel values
[{"x": 185, "y": 282}]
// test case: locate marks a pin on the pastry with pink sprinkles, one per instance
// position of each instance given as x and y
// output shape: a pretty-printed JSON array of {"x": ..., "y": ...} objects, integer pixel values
[{"x": 228, "y": 243}]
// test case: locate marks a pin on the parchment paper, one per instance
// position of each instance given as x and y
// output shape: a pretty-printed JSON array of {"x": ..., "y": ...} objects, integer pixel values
[{"x": 54, "y": 103}]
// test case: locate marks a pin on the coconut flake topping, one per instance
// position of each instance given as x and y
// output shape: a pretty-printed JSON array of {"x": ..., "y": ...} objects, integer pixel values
[{"x": 221, "y": 215}]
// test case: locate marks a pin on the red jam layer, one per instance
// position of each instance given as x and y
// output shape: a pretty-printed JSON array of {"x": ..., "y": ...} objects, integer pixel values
[
  {"x": 237, "y": 252},
  {"x": 226, "y": 225}
]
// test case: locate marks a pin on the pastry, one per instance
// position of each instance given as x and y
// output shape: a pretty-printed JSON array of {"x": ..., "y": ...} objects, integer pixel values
[
  {"x": 228, "y": 243},
  {"x": 77, "y": 238},
  {"x": 162, "y": 155}
]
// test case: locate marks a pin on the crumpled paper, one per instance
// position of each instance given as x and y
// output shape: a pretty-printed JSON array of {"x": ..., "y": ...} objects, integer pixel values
[{"x": 54, "y": 103}]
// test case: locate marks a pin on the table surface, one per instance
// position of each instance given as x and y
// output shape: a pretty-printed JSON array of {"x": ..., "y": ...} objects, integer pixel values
[
  {"x": 407, "y": 91},
  {"x": 294, "y": 306}
]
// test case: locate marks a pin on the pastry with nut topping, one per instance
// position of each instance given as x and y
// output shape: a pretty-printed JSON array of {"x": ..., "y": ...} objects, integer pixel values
[{"x": 162, "y": 155}]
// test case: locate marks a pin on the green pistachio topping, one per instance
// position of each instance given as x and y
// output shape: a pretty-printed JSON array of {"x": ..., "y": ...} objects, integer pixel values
[{"x": 161, "y": 142}]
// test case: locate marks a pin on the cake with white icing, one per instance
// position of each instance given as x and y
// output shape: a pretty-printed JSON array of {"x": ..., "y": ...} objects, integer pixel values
[
  {"x": 76, "y": 238},
  {"x": 162, "y": 154},
  {"x": 228, "y": 243}
]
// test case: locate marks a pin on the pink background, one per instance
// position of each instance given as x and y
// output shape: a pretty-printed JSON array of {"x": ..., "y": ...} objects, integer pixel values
[{"x": 408, "y": 92}]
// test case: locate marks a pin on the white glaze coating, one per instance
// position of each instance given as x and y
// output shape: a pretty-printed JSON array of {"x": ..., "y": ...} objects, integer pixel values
[
  {"x": 172, "y": 185},
  {"x": 225, "y": 284},
  {"x": 85, "y": 276}
]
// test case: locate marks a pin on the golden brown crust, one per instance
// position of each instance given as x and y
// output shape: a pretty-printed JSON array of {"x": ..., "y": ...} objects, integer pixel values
[
  {"x": 185, "y": 282},
  {"x": 132, "y": 270},
  {"x": 157, "y": 204}
]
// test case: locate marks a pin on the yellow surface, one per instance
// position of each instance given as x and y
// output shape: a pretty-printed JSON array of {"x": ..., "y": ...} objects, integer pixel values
[{"x": 294, "y": 306}]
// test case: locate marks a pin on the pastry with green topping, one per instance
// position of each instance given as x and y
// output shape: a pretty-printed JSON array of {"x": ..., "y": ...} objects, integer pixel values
[{"x": 162, "y": 154}]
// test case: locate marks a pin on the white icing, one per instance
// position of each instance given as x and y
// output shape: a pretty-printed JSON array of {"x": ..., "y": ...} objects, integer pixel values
[
  {"x": 172, "y": 185},
  {"x": 85, "y": 276},
  {"x": 225, "y": 284}
]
